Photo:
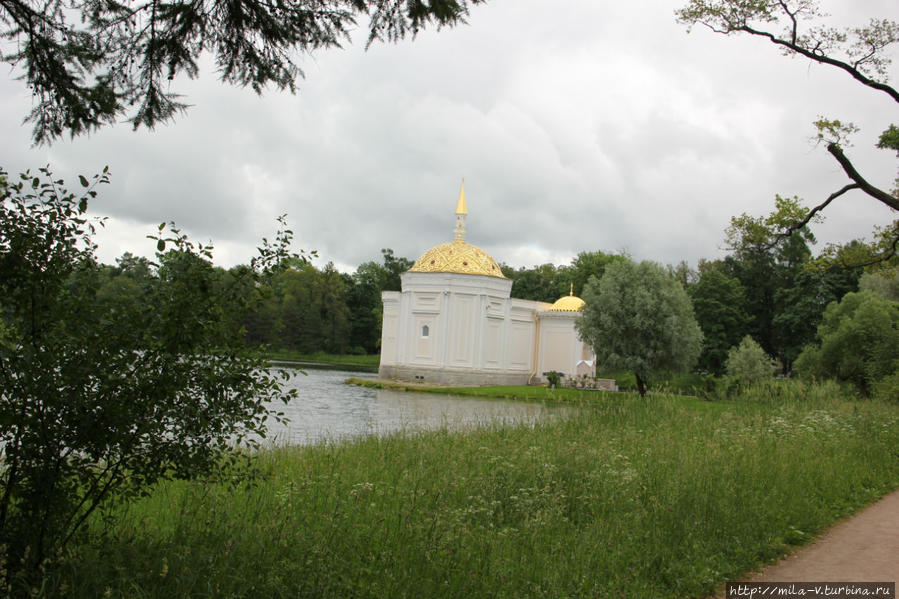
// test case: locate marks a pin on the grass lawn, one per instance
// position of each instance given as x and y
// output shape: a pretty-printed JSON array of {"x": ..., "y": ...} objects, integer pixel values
[{"x": 661, "y": 496}]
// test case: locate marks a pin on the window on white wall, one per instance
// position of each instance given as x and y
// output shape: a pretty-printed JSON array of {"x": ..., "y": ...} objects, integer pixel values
[{"x": 425, "y": 331}]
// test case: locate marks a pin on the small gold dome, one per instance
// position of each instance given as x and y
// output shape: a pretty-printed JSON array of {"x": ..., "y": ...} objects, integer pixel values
[
  {"x": 569, "y": 303},
  {"x": 458, "y": 257}
]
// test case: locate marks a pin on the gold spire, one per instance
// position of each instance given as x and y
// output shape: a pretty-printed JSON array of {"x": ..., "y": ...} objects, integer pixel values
[
  {"x": 460, "y": 207},
  {"x": 571, "y": 293},
  {"x": 461, "y": 213},
  {"x": 457, "y": 256}
]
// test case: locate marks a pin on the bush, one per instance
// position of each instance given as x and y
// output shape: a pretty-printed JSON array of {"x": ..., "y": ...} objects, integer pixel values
[
  {"x": 553, "y": 378},
  {"x": 888, "y": 387},
  {"x": 749, "y": 362},
  {"x": 857, "y": 342},
  {"x": 101, "y": 396}
]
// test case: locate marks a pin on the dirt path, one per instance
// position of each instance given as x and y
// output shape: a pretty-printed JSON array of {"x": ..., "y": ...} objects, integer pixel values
[{"x": 863, "y": 548}]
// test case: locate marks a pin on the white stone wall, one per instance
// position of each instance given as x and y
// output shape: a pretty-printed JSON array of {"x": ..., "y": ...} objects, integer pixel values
[
  {"x": 560, "y": 348},
  {"x": 465, "y": 330}
]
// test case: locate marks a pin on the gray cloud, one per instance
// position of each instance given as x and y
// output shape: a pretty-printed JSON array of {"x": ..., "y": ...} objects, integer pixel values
[{"x": 578, "y": 127}]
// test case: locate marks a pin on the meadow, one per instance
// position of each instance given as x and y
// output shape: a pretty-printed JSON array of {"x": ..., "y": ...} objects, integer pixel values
[{"x": 662, "y": 496}]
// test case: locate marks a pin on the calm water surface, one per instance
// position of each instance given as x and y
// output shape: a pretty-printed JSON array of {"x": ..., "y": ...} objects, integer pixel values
[{"x": 328, "y": 409}]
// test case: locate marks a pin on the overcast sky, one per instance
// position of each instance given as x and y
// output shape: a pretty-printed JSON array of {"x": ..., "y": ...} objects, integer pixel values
[{"x": 578, "y": 126}]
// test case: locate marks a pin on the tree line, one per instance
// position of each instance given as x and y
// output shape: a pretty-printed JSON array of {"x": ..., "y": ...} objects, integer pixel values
[{"x": 772, "y": 289}]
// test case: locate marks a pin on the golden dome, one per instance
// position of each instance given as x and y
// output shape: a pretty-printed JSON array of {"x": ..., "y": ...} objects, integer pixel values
[
  {"x": 569, "y": 303},
  {"x": 458, "y": 257}
]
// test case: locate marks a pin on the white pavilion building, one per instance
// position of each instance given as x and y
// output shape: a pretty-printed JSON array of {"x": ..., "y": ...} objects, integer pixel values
[{"x": 454, "y": 323}]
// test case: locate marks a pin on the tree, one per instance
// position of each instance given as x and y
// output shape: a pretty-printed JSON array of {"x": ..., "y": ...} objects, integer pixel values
[
  {"x": 544, "y": 283},
  {"x": 884, "y": 284},
  {"x": 765, "y": 263},
  {"x": 90, "y": 63},
  {"x": 103, "y": 395},
  {"x": 313, "y": 311},
  {"x": 394, "y": 267},
  {"x": 589, "y": 264},
  {"x": 718, "y": 302},
  {"x": 857, "y": 341},
  {"x": 750, "y": 362},
  {"x": 364, "y": 303},
  {"x": 364, "y": 297},
  {"x": 640, "y": 319},
  {"x": 861, "y": 52},
  {"x": 786, "y": 290},
  {"x": 800, "y": 305},
  {"x": 685, "y": 275}
]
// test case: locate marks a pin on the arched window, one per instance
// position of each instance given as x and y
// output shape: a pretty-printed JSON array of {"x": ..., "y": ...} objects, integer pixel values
[{"x": 425, "y": 331}]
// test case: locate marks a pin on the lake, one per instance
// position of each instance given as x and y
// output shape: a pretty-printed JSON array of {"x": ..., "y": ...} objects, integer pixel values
[{"x": 329, "y": 409}]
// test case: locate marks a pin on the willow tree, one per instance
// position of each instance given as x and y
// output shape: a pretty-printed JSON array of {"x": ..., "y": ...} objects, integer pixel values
[{"x": 639, "y": 318}]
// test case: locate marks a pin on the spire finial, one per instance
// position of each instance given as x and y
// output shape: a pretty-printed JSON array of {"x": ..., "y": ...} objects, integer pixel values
[
  {"x": 460, "y": 207},
  {"x": 461, "y": 212},
  {"x": 571, "y": 293}
]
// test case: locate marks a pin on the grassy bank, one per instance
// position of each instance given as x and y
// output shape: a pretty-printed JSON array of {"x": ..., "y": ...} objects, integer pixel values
[
  {"x": 517, "y": 392},
  {"x": 366, "y": 362},
  {"x": 654, "y": 497}
]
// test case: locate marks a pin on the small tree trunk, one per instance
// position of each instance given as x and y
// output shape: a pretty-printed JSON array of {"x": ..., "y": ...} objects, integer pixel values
[{"x": 641, "y": 385}]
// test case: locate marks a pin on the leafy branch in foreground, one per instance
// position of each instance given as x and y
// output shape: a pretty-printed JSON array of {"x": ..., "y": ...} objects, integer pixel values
[
  {"x": 88, "y": 63},
  {"x": 102, "y": 395},
  {"x": 862, "y": 52}
]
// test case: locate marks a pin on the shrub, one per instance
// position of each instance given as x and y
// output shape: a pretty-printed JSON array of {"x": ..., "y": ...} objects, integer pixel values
[
  {"x": 103, "y": 396},
  {"x": 553, "y": 378},
  {"x": 857, "y": 341},
  {"x": 888, "y": 387},
  {"x": 749, "y": 362}
]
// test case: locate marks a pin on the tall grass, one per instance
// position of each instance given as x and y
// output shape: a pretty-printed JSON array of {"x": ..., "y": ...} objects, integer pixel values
[{"x": 633, "y": 497}]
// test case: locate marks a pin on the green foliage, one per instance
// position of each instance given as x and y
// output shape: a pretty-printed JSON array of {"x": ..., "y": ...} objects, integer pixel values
[
  {"x": 786, "y": 292},
  {"x": 363, "y": 297},
  {"x": 544, "y": 283},
  {"x": 553, "y": 378},
  {"x": 889, "y": 139},
  {"x": 547, "y": 282},
  {"x": 639, "y": 318},
  {"x": 590, "y": 264},
  {"x": 883, "y": 283},
  {"x": 103, "y": 394},
  {"x": 718, "y": 303},
  {"x": 628, "y": 497},
  {"x": 800, "y": 303},
  {"x": 887, "y": 388},
  {"x": 748, "y": 234},
  {"x": 749, "y": 362},
  {"x": 684, "y": 275},
  {"x": 90, "y": 63},
  {"x": 857, "y": 342},
  {"x": 312, "y": 312}
]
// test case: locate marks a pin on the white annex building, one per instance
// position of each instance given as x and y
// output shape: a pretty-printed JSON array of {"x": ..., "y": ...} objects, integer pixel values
[{"x": 455, "y": 323}]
